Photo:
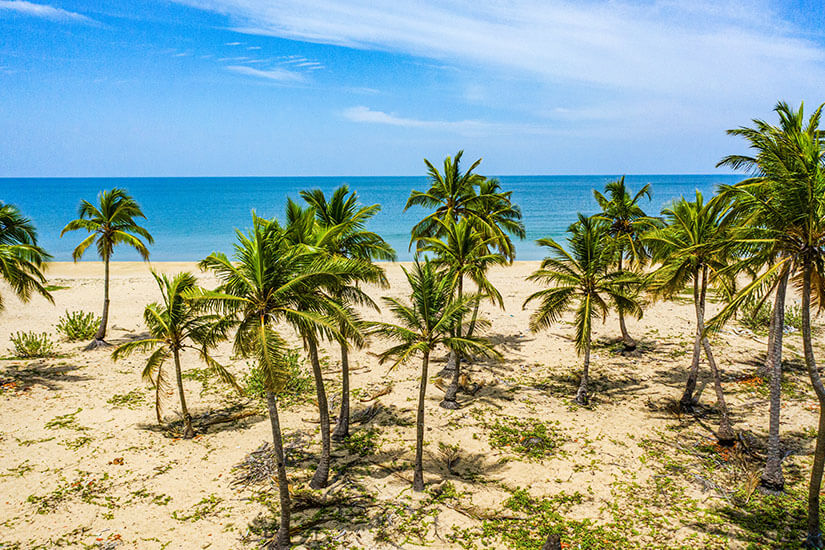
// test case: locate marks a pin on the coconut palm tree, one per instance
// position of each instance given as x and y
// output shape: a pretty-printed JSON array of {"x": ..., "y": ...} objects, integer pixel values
[
  {"x": 582, "y": 278},
  {"x": 264, "y": 285},
  {"x": 627, "y": 224},
  {"x": 344, "y": 219},
  {"x": 463, "y": 252},
  {"x": 176, "y": 324},
  {"x": 22, "y": 262},
  {"x": 110, "y": 222},
  {"x": 427, "y": 322},
  {"x": 764, "y": 213},
  {"x": 691, "y": 249}
]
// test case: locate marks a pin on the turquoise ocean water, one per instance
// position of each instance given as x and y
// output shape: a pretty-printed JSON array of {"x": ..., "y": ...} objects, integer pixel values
[{"x": 192, "y": 217}]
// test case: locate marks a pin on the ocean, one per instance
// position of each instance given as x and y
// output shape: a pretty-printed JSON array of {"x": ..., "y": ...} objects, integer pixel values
[{"x": 193, "y": 217}]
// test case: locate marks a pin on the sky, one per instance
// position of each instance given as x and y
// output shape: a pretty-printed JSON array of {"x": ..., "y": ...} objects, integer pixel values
[{"x": 319, "y": 87}]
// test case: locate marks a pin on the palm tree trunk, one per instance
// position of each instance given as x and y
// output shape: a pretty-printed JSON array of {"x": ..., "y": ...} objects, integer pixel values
[
  {"x": 418, "y": 475},
  {"x": 686, "y": 402},
  {"x": 281, "y": 541},
  {"x": 321, "y": 477},
  {"x": 763, "y": 371},
  {"x": 772, "y": 478},
  {"x": 629, "y": 343},
  {"x": 100, "y": 335},
  {"x": 581, "y": 394},
  {"x": 726, "y": 436},
  {"x": 188, "y": 432},
  {"x": 449, "y": 401},
  {"x": 471, "y": 329},
  {"x": 814, "y": 538},
  {"x": 342, "y": 427}
]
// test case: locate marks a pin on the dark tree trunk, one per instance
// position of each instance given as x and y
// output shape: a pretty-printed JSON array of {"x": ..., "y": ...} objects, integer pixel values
[
  {"x": 772, "y": 478},
  {"x": 763, "y": 371},
  {"x": 188, "y": 432},
  {"x": 553, "y": 542},
  {"x": 628, "y": 342},
  {"x": 321, "y": 477},
  {"x": 418, "y": 475},
  {"x": 581, "y": 394},
  {"x": 342, "y": 427},
  {"x": 100, "y": 335},
  {"x": 449, "y": 401},
  {"x": 686, "y": 402},
  {"x": 814, "y": 538},
  {"x": 281, "y": 541}
]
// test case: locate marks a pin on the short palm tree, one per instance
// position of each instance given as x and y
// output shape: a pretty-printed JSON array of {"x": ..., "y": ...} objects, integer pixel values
[
  {"x": 582, "y": 278},
  {"x": 427, "y": 322},
  {"x": 691, "y": 250},
  {"x": 344, "y": 220},
  {"x": 22, "y": 262},
  {"x": 110, "y": 222},
  {"x": 175, "y": 324},
  {"x": 628, "y": 222},
  {"x": 463, "y": 252}
]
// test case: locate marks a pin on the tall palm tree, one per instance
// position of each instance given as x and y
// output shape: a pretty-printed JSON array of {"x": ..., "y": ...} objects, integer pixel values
[
  {"x": 691, "y": 249},
  {"x": 424, "y": 324},
  {"x": 766, "y": 213},
  {"x": 263, "y": 285},
  {"x": 175, "y": 324},
  {"x": 22, "y": 261},
  {"x": 628, "y": 222},
  {"x": 463, "y": 252},
  {"x": 344, "y": 219},
  {"x": 582, "y": 278},
  {"x": 110, "y": 222}
]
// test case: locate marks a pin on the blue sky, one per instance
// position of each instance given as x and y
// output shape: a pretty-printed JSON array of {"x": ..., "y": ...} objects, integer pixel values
[{"x": 317, "y": 87}]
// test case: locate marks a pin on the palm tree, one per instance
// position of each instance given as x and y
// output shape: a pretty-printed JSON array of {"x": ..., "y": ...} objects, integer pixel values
[
  {"x": 424, "y": 324},
  {"x": 464, "y": 253},
  {"x": 344, "y": 220},
  {"x": 22, "y": 262},
  {"x": 176, "y": 324},
  {"x": 264, "y": 285},
  {"x": 766, "y": 214},
  {"x": 111, "y": 222},
  {"x": 691, "y": 248},
  {"x": 582, "y": 277},
  {"x": 627, "y": 224}
]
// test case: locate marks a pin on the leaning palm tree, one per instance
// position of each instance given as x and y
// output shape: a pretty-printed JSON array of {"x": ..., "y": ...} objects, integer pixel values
[
  {"x": 263, "y": 285},
  {"x": 691, "y": 250},
  {"x": 424, "y": 324},
  {"x": 110, "y": 222},
  {"x": 22, "y": 261},
  {"x": 582, "y": 278},
  {"x": 175, "y": 324},
  {"x": 463, "y": 252},
  {"x": 627, "y": 224},
  {"x": 343, "y": 221}
]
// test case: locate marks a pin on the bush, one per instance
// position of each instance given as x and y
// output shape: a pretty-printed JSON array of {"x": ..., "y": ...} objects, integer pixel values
[
  {"x": 27, "y": 345},
  {"x": 756, "y": 318},
  {"x": 793, "y": 316},
  {"x": 298, "y": 388},
  {"x": 78, "y": 325}
]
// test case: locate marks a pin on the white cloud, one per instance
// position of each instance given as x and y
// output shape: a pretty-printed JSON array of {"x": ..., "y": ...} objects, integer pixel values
[
  {"x": 43, "y": 11},
  {"x": 277, "y": 74},
  {"x": 254, "y": 48},
  {"x": 674, "y": 48},
  {"x": 477, "y": 128},
  {"x": 233, "y": 43}
]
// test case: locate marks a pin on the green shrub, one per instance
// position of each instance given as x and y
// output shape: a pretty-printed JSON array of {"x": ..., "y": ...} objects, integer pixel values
[
  {"x": 298, "y": 388},
  {"x": 27, "y": 345},
  {"x": 793, "y": 316},
  {"x": 362, "y": 442},
  {"x": 78, "y": 325},
  {"x": 756, "y": 318}
]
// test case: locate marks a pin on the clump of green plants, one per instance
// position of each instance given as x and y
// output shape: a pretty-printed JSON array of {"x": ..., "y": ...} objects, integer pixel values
[
  {"x": 756, "y": 316},
  {"x": 362, "y": 442},
  {"x": 131, "y": 400},
  {"x": 524, "y": 436},
  {"x": 30, "y": 345},
  {"x": 793, "y": 316},
  {"x": 206, "y": 507},
  {"x": 65, "y": 421},
  {"x": 298, "y": 389},
  {"x": 78, "y": 325}
]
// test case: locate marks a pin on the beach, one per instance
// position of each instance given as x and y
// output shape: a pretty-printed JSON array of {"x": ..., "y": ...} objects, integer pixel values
[{"x": 84, "y": 464}]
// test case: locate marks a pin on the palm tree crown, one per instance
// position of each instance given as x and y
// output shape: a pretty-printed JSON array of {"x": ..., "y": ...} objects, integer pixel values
[{"x": 21, "y": 261}]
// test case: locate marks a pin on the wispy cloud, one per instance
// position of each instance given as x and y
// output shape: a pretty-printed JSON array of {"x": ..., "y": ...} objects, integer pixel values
[
  {"x": 277, "y": 74},
  {"x": 233, "y": 43},
  {"x": 43, "y": 11},
  {"x": 475, "y": 128}
]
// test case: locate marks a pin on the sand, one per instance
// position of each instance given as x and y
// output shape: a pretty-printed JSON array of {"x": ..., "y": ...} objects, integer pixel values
[{"x": 107, "y": 476}]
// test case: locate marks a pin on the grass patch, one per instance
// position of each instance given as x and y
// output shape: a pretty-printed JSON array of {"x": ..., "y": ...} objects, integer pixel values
[
  {"x": 132, "y": 400},
  {"x": 527, "y": 437}
]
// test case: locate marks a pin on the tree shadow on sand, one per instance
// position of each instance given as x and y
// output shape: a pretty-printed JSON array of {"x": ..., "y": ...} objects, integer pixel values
[
  {"x": 39, "y": 373},
  {"x": 233, "y": 417}
]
